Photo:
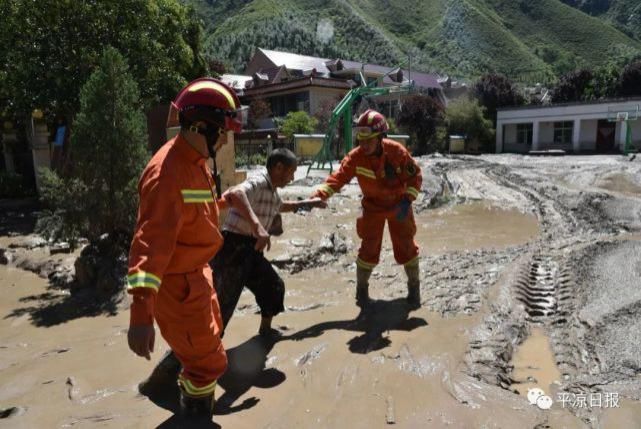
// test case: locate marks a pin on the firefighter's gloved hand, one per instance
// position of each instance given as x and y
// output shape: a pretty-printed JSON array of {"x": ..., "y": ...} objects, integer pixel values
[{"x": 403, "y": 209}]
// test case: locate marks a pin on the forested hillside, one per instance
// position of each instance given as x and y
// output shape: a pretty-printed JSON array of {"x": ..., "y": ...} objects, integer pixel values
[
  {"x": 527, "y": 40},
  {"x": 623, "y": 14}
]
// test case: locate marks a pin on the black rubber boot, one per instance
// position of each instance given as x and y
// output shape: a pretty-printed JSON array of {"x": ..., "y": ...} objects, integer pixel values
[
  {"x": 163, "y": 378},
  {"x": 362, "y": 286},
  {"x": 198, "y": 409},
  {"x": 413, "y": 286}
]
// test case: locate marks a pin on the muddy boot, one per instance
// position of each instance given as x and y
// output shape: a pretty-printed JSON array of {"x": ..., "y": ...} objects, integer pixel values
[
  {"x": 362, "y": 286},
  {"x": 413, "y": 286},
  {"x": 163, "y": 378},
  {"x": 196, "y": 408}
]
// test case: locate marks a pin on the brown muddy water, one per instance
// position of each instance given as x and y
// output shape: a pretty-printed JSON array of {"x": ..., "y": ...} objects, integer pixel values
[
  {"x": 334, "y": 367},
  {"x": 460, "y": 227},
  {"x": 534, "y": 365}
]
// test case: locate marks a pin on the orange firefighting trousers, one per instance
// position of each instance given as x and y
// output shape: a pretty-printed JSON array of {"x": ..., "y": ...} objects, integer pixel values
[
  {"x": 188, "y": 315},
  {"x": 370, "y": 226}
]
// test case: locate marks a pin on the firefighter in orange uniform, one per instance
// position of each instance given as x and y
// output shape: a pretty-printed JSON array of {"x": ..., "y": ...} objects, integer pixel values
[
  {"x": 390, "y": 180},
  {"x": 176, "y": 236}
]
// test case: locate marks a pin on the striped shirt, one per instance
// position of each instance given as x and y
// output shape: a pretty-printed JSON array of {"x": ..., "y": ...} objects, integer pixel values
[{"x": 263, "y": 199}]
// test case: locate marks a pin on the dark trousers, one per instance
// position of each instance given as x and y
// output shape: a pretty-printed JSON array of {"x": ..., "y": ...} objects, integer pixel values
[{"x": 238, "y": 265}]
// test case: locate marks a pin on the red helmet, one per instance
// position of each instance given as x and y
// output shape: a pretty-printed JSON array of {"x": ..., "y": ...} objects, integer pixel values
[
  {"x": 209, "y": 100},
  {"x": 370, "y": 124}
]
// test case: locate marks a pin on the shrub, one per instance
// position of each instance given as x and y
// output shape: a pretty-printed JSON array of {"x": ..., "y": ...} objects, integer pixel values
[{"x": 110, "y": 151}]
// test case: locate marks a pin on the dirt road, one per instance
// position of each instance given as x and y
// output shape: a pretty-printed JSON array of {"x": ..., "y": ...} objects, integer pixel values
[{"x": 531, "y": 270}]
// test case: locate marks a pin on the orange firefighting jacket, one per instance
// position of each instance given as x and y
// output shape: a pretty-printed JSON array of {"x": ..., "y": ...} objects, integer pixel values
[
  {"x": 177, "y": 227},
  {"x": 384, "y": 179}
]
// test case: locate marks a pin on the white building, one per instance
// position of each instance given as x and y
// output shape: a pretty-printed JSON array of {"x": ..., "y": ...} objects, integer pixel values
[{"x": 572, "y": 127}]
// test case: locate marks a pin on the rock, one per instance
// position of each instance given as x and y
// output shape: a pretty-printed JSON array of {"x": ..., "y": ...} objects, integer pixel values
[
  {"x": 60, "y": 248},
  {"x": 5, "y": 256},
  {"x": 333, "y": 243},
  {"x": 300, "y": 242}
]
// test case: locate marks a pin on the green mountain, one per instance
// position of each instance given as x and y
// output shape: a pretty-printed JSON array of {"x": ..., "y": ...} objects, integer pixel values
[
  {"x": 623, "y": 14},
  {"x": 525, "y": 39}
]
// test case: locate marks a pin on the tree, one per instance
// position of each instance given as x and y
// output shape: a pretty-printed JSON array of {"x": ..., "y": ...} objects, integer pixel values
[
  {"x": 630, "y": 81},
  {"x": 494, "y": 91},
  {"x": 605, "y": 82},
  {"x": 298, "y": 123},
  {"x": 52, "y": 46},
  {"x": 110, "y": 151},
  {"x": 573, "y": 86},
  {"x": 324, "y": 113},
  {"x": 421, "y": 114},
  {"x": 466, "y": 117},
  {"x": 217, "y": 67}
]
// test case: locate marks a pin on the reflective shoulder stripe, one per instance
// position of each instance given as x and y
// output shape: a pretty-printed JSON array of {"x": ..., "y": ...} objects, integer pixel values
[
  {"x": 196, "y": 391},
  {"x": 412, "y": 191},
  {"x": 143, "y": 279},
  {"x": 197, "y": 195},
  {"x": 365, "y": 172},
  {"x": 327, "y": 189}
]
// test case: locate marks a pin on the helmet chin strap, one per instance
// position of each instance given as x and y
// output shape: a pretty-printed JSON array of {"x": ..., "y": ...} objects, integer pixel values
[{"x": 211, "y": 137}]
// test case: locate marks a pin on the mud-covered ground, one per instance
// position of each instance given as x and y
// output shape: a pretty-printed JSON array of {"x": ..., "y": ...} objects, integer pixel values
[{"x": 531, "y": 275}]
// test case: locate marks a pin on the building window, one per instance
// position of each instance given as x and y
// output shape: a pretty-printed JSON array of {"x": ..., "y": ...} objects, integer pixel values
[
  {"x": 524, "y": 134},
  {"x": 282, "y": 105},
  {"x": 563, "y": 132}
]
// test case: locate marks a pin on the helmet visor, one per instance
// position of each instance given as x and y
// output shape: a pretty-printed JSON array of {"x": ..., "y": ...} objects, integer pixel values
[
  {"x": 365, "y": 133},
  {"x": 233, "y": 124}
]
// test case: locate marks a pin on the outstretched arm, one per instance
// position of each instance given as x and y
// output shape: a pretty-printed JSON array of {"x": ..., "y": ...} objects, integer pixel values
[
  {"x": 337, "y": 180},
  {"x": 308, "y": 204}
]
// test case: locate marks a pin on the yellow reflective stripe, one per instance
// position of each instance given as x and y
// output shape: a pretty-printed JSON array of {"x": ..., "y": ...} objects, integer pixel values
[
  {"x": 216, "y": 87},
  {"x": 366, "y": 136},
  {"x": 143, "y": 279},
  {"x": 365, "y": 265},
  {"x": 412, "y": 191},
  {"x": 365, "y": 172},
  {"x": 197, "y": 391},
  {"x": 327, "y": 189},
  {"x": 370, "y": 117},
  {"x": 197, "y": 195},
  {"x": 412, "y": 262}
]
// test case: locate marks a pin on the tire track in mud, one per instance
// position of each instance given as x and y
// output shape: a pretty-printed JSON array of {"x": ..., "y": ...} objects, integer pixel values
[
  {"x": 536, "y": 288},
  {"x": 541, "y": 282},
  {"x": 544, "y": 282}
]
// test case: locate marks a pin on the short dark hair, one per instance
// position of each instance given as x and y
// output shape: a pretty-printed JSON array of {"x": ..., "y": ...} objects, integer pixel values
[{"x": 282, "y": 155}]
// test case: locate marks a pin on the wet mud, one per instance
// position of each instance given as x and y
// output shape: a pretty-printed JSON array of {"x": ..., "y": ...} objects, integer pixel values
[{"x": 530, "y": 274}]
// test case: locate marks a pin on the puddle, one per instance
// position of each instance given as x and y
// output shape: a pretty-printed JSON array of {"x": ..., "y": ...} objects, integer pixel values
[
  {"x": 462, "y": 227},
  {"x": 474, "y": 226},
  {"x": 534, "y": 365}
]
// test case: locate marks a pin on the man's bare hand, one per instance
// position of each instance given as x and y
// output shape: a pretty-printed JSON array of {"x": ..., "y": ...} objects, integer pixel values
[
  {"x": 262, "y": 238},
  {"x": 141, "y": 340},
  {"x": 317, "y": 203}
]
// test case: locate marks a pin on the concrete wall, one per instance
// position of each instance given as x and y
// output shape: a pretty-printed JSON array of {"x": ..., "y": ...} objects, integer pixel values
[
  {"x": 509, "y": 140},
  {"x": 584, "y": 115},
  {"x": 587, "y": 136},
  {"x": 318, "y": 95},
  {"x": 546, "y": 133},
  {"x": 308, "y": 145}
]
